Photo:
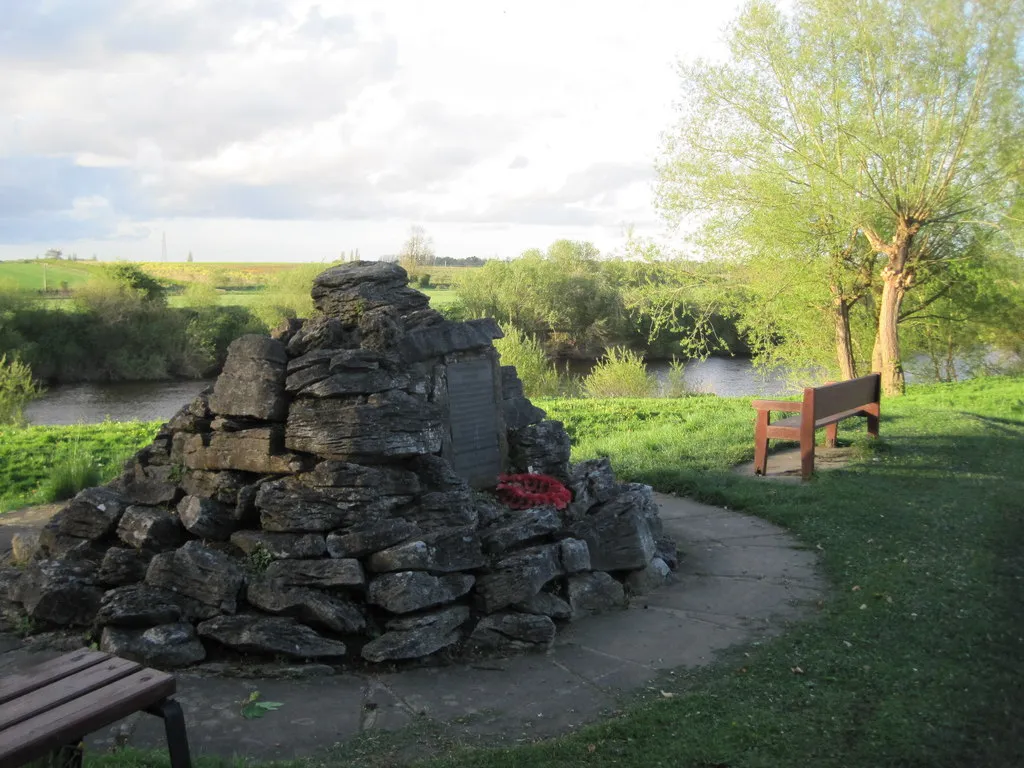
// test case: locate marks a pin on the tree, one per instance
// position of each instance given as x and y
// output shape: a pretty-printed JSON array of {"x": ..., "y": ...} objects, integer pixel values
[
  {"x": 418, "y": 250},
  {"x": 838, "y": 134}
]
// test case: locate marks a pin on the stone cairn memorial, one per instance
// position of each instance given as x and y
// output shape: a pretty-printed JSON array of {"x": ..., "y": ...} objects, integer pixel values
[{"x": 332, "y": 497}]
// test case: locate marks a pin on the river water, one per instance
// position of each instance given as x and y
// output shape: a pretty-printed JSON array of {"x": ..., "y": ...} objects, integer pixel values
[{"x": 159, "y": 400}]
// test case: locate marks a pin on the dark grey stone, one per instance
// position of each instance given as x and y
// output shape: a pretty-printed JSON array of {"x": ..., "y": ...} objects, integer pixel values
[
  {"x": 409, "y": 591},
  {"x": 444, "y": 338},
  {"x": 373, "y": 537},
  {"x": 518, "y": 412},
  {"x": 194, "y": 417},
  {"x": 417, "y": 636},
  {"x": 252, "y": 633},
  {"x": 509, "y": 631},
  {"x": 518, "y": 577},
  {"x": 325, "y": 500},
  {"x": 540, "y": 448},
  {"x": 656, "y": 574},
  {"x": 122, "y": 566},
  {"x": 321, "y": 574},
  {"x": 594, "y": 593},
  {"x": 321, "y": 332},
  {"x": 511, "y": 385},
  {"x": 198, "y": 572},
  {"x": 575, "y": 555},
  {"x": 390, "y": 424},
  {"x": 546, "y": 604},
  {"x": 618, "y": 534},
  {"x": 151, "y": 485},
  {"x": 280, "y": 545},
  {"x": 591, "y": 482},
  {"x": 206, "y": 518},
  {"x": 307, "y": 605},
  {"x": 93, "y": 514},
  {"x": 443, "y": 551},
  {"x": 252, "y": 382},
  {"x": 349, "y": 291},
  {"x": 445, "y": 509},
  {"x": 223, "y": 486},
  {"x": 59, "y": 592},
  {"x": 666, "y": 549},
  {"x": 151, "y": 528},
  {"x": 521, "y": 527},
  {"x": 138, "y": 605},
  {"x": 167, "y": 646}
]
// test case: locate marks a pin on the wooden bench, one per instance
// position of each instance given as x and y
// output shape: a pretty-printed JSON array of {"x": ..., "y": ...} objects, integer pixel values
[
  {"x": 821, "y": 407},
  {"x": 50, "y": 708}
]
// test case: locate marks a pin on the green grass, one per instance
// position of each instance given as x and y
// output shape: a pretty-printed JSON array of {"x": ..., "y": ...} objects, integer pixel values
[
  {"x": 36, "y": 461},
  {"x": 28, "y": 275},
  {"x": 916, "y": 657}
]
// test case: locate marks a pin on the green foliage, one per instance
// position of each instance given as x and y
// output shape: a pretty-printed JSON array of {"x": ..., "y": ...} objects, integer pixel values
[
  {"x": 72, "y": 472},
  {"x": 423, "y": 281},
  {"x": 28, "y": 454},
  {"x": 539, "y": 377},
  {"x": 257, "y": 561},
  {"x": 136, "y": 280},
  {"x": 620, "y": 373},
  {"x": 17, "y": 389}
]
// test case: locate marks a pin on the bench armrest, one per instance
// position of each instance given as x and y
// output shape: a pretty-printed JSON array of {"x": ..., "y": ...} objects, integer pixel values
[{"x": 789, "y": 406}]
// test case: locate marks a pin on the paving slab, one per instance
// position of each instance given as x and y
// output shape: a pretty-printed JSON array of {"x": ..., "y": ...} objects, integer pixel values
[
  {"x": 784, "y": 465},
  {"x": 740, "y": 579}
]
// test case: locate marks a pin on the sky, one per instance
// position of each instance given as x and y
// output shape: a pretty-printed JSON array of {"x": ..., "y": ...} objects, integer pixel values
[{"x": 272, "y": 130}]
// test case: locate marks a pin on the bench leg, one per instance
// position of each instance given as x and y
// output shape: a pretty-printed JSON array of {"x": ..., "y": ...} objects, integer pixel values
[
  {"x": 873, "y": 425},
  {"x": 807, "y": 458},
  {"x": 830, "y": 435},
  {"x": 761, "y": 443},
  {"x": 174, "y": 727}
]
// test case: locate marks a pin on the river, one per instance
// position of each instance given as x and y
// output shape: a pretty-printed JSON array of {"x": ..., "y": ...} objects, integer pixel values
[{"x": 159, "y": 400}]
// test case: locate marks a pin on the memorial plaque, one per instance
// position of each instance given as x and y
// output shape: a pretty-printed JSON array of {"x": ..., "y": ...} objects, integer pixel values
[{"x": 476, "y": 454}]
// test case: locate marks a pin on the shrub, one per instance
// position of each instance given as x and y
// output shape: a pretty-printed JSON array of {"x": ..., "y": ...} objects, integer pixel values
[
  {"x": 74, "y": 472},
  {"x": 620, "y": 373},
  {"x": 17, "y": 389},
  {"x": 424, "y": 280},
  {"x": 540, "y": 379}
]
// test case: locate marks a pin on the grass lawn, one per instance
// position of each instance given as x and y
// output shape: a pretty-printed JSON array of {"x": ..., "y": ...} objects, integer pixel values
[
  {"x": 28, "y": 275},
  {"x": 28, "y": 454},
  {"x": 916, "y": 657}
]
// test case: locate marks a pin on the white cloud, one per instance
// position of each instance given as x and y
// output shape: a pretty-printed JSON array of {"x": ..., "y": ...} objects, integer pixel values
[{"x": 347, "y": 120}]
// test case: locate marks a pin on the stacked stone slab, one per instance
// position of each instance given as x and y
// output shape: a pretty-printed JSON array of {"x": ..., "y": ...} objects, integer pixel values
[{"x": 309, "y": 506}]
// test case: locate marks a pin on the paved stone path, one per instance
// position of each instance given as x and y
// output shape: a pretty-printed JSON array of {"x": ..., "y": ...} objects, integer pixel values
[{"x": 740, "y": 579}]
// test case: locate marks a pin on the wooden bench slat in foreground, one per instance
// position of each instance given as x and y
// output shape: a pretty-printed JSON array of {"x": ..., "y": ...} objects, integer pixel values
[
  {"x": 821, "y": 407},
  {"x": 56, "y": 704}
]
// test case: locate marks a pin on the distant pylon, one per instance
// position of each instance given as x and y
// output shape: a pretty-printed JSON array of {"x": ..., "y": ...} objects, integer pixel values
[{"x": 163, "y": 247}]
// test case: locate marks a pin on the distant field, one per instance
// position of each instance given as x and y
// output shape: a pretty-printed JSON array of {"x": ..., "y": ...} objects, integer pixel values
[
  {"x": 29, "y": 275},
  {"x": 438, "y": 298}
]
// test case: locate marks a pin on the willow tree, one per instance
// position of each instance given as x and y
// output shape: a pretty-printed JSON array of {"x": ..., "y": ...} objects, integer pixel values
[{"x": 837, "y": 134}]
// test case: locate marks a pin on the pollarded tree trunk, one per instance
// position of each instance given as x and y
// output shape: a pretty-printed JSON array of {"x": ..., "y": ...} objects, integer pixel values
[
  {"x": 887, "y": 344},
  {"x": 844, "y": 344}
]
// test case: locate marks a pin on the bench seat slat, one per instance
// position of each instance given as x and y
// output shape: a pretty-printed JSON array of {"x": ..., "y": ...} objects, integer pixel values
[
  {"x": 64, "y": 690},
  {"x": 13, "y": 686},
  {"x": 35, "y": 737}
]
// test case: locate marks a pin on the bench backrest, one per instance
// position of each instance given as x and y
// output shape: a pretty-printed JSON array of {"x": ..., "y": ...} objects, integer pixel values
[{"x": 844, "y": 395}]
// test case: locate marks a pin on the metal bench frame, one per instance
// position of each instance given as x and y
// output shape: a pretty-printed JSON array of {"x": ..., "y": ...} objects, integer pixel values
[{"x": 50, "y": 708}]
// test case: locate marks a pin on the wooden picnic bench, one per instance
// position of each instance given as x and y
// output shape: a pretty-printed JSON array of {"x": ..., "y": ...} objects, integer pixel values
[
  {"x": 821, "y": 407},
  {"x": 50, "y": 708}
]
